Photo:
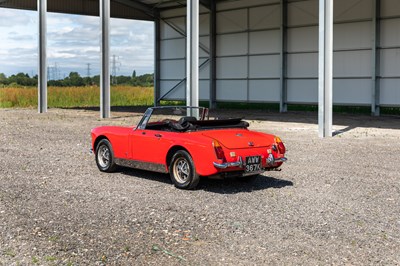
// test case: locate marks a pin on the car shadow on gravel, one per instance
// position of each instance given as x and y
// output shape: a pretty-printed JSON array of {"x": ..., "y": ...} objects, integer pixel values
[
  {"x": 154, "y": 176},
  {"x": 222, "y": 186},
  {"x": 233, "y": 186}
]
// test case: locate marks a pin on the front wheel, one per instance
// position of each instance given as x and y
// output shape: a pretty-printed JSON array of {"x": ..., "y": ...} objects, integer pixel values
[
  {"x": 105, "y": 156},
  {"x": 182, "y": 171}
]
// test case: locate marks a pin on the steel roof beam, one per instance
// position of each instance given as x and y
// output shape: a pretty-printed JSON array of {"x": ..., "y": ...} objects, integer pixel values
[{"x": 139, "y": 6}]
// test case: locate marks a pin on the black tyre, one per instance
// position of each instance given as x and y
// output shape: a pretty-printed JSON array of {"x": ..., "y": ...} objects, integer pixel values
[
  {"x": 105, "y": 156},
  {"x": 183, "y": 171}
]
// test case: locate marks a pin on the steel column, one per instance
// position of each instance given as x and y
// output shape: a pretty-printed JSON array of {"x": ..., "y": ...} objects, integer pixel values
[
  {"x": 213, "y": 54},
  {"x": 376, "y": 36},
  {"x": 283, "y": 83},
  {"x": 157, "y": 55},
  {"x": 325, "y": 71},
  {"x": 42, "y": 66},
  {"x": 105, "y": 59},
  {"x": 192, "y": 54}
]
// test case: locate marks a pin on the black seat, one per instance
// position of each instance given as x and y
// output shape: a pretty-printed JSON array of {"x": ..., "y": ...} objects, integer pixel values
[
  {"x": 183, "y": 124},
  {"x": 186, "y": 119}
]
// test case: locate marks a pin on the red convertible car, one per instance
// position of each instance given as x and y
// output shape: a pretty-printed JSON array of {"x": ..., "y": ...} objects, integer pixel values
[{"x": 185, "y": 143}]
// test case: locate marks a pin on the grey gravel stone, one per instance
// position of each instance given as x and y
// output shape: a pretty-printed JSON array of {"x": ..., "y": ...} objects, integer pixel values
[{"x": 336, "y": 201}]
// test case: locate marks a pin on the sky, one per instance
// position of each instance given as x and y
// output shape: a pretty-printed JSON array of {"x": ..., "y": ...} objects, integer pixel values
[{"x": 73, "y": 42}]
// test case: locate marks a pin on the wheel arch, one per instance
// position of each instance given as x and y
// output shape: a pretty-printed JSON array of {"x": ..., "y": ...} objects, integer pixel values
[
  {"x": 172, "y": 151},
  {"x": 97, "y": 140}
]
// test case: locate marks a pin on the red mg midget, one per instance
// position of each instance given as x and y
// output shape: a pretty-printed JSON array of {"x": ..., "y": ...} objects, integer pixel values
[{"x": 187, "y": 144}]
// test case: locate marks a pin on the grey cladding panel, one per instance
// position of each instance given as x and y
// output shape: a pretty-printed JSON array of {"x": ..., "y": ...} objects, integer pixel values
[
  {"x": 172, "y": 69},
  {"x": 265, "y": 17},
  {"x": 390, "y": 92},
  {"x": 232, "y": 21},
  {"x": 390, "y": 32},
  {"x": 302, "y": 91},
  {"x": 352, "y": 64},
  {"x": 234, "y": 90},
  {"x": 303, "y": 39},
  {"x": 303, "y": 13},
  {"x": 267, "y": 66},
  {"x": 345, "y": 10},
  {"x": 204, "y": 89},
  {"x": 390, "y": 63},
  {"x": 168, "y": 31},
  {"x": 352, "y": 91},
  {"x": 204, "y": 24},
  {"x": 204, "y": 72},
  {"x": 262, "y": 42},
  {"x": 173, "y": 49},
  {"x": 232, "y": 68},
  {"x": 352, "y": 35},
  {"x": 232, "y": 44},
  {"x": 390, "y": 8},
  {"x": 264, "y": 90},
  {"x": 204, "y": 42},
  {"x": 248, "y": 47},
  {"x": 178, "y": 93},
  {"x": 302, "y": 65}
]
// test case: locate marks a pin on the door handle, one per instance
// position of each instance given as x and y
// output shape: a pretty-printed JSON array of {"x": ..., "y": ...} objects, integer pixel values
[{"x": 158, "y": 135}]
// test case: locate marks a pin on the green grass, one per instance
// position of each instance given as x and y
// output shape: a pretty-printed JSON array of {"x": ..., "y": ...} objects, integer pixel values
[
  {"x": 69, "y": 97},
  {"x": 64, "y": 97}
]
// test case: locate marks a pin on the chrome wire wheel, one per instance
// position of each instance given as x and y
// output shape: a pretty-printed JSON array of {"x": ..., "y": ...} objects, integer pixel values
[
  {"x": 181, "y": 170},
  {"x": 103, "y": 156}
]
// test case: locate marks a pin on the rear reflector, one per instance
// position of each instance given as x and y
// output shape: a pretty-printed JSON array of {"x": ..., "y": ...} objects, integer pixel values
[{"x": 219, "y": 152}]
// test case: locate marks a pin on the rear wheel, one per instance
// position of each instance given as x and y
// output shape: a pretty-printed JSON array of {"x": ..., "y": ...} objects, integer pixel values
[
  {"x": 183, "y": 171},
  {"x": 105, "y": 156}
]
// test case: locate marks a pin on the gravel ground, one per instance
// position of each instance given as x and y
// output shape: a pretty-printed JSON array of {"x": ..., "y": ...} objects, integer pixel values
[{"x": 336, "y": 201}]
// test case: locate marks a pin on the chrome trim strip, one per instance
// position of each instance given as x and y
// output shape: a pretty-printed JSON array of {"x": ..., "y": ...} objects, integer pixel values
[
  {"x": 238, "y": 163},
  {"x": 154, "y": 167},
  {"x": 280, "y": 160},
  {"x": 271, "y": 160}
]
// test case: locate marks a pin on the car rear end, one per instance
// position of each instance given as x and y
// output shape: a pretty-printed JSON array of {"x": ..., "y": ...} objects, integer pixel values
[{"x": 244, "y": 152}]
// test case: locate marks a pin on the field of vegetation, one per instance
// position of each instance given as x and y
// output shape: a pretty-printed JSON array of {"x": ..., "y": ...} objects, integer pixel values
[{"x": 86, "y": 96}]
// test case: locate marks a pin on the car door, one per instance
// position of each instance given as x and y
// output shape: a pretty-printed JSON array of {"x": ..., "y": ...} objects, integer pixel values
[{"x": 150, "y": 145}]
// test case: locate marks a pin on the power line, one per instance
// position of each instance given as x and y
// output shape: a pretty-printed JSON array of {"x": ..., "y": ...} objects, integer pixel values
[
  {"x": 115, "y": 67},
  {"x": 88, "y": 70}
]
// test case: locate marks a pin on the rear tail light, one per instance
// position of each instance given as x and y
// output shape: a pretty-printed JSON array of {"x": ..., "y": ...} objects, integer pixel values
[
  {"x": 281, "y": 146},
  {"x": 219, "y": 152}
]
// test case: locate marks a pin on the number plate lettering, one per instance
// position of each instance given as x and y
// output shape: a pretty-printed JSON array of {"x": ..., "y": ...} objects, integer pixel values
[{"x": 253, "y": 163}]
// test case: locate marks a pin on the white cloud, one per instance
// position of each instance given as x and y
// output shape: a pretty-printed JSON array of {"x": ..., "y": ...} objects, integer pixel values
[{"x": 73, "y": 41}]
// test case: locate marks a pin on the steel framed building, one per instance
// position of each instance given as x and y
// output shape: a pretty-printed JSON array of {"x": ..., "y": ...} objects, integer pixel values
[{"x": 342, "y": 52}]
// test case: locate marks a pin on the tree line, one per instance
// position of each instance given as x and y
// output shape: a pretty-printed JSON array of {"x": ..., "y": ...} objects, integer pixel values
[{"x": 75, "y": 79}]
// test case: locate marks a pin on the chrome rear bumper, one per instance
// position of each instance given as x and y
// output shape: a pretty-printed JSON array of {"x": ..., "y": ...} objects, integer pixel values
[
  {"x": 238, "y": 163},
  {"x": 271, "y": 160}
]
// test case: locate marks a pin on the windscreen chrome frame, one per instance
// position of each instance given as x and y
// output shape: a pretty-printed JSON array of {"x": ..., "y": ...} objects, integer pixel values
[{"x": 203, "y": 113}]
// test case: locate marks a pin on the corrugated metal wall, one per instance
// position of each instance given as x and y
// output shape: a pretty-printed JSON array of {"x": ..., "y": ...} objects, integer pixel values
[{"x": 249, "y": 45}]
